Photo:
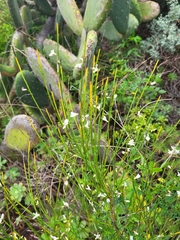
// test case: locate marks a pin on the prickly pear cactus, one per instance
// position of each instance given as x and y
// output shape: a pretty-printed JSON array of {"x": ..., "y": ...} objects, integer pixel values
[
  {"x": 16, "y": 50},
  {"x": 21, "y": 133},
  {"x": 15, "y": 13},
  {"x": 132, "y": 24},
  {"x": 7, "y": 71},
  {"x": 119, "y": 15},
  {"x": 149, "y": 10},
  {"x": 71, "y": 15},
  {"x": 108, "y": 31},
  {"x": 86, "y": 53},
  {"x": 46, "y": 74},
  {"x": 30, "y": 90},
  {"x": 45, "y": 7},
  {"x": 26, "y": 18},
  {"x": 56, "y": 53},
  {"x": 135, "y": 10},
  {"x": 96, "y": 13}
]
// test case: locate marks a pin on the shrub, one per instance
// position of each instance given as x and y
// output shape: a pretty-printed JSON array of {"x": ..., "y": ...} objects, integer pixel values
[{"x": 165, "y": 34}]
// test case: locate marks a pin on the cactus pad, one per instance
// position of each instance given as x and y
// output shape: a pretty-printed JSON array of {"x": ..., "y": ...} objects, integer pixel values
[
  {"x": 96, "y": 13},
  {"x": 71, "y": 15},
  {"x": 45, "y": 7},
  {"x": 133, "y": 23},
  {"x": 67, "y": 59},
  {"x": 120, "y": 15},
  {"x": 86, "y": 53},
  {"x": 30, "y": 90},
  {"x": 7, "y": 70},
  {"x": 108, "y": 31},
  {"x": 26, "y": 18},
  {"x": 16, "y": 48},
  {"x": 20, "y": 132},
  {"x": 149, "y": 10},
  {"x": 46, "y": 74},
  {"x": 15, "y": 14},
  {"x": 135, "y": 10}
]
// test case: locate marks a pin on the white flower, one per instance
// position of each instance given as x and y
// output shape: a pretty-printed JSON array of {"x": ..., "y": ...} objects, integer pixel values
[
  {"x": 125, "y": 184},
  {"x": 97, "y": 236},
  {"x": 169, "y": 194},
  {"x": 173, "y": 151},
  {"x": 105, "y": 119},
  {"x": 73, "y": 114},
  {"x": 66, "y": 182},
  {"x": 24, "y": 89},
  {"x": 178, "y": 193},
  {"x": 95, "y": 69},
  {"x": 102, "y": 195},
  {"x": 52, "y": 53},
  {"x": 66, "y": 204},
  {"x": 139, "y": 114},
  {"x": 108, "y": 200},
  {"x": 87, "y": 124},
  {"x": 35, "y": 215},
  {"x": 115, "y": 96},
  {"x": 136, "y": 233},
  {"x": 88, "y": 188},
  {"x": 153, "y": 83},
  {"x": 137, "y": 176},
  {"x": 147, "y": 138},
  {"x": 131, "y": 238},
  {"x": 118, "y": 194},
  {"x": 54, "y": 238},
  {"x": 79, "y": 65},
  {"x": 131, "y": 142},
  {"x": 178, "y": 174},
  {"x": 85, "y": 117},
  {"x": 66, "y": 121},
  {"x": 107, "y": 96},
  {"x": 1, "y": 218},
  {"x": 98, "y": 107}
]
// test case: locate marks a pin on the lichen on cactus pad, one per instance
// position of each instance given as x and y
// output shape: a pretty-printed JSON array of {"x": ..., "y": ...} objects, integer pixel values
[{"x": 21, "y": 133}]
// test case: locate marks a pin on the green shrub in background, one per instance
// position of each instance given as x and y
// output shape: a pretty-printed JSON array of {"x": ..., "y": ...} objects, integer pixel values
[
  {"x": 6, "y": 27},
  {"x": 165, "y": 34}
]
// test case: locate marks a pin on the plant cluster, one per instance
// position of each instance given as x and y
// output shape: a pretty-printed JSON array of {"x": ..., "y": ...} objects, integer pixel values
[{"x": 103, "y": 165}]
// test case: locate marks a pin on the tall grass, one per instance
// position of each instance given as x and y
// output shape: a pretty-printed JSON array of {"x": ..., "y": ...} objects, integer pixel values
[{"x": 96, "y": 174}]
